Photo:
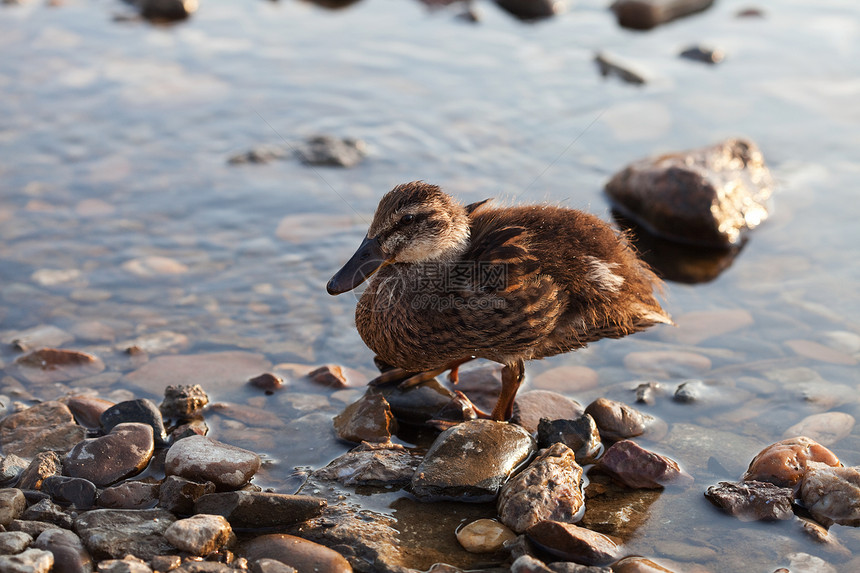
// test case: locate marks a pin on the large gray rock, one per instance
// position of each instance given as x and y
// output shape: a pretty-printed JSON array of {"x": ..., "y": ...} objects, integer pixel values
[
  {"x": 28, "y": 561},
  {"x": 204, "y": 459},
  {"x": 124, "y": 452},
  {"x": 70, "y": 555},
  {"x": 471, "y": 461},
  {"x": 115, "y": 533},
  {"x": 372, "y": 464},
  {"x": 200, "y": 534},
  {"x": 709, "y": 196}
]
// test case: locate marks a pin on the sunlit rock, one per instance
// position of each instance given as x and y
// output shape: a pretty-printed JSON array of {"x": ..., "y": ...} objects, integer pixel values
[
  {"x": 832, "y": 494},
  {"x": 784, "y": 463}
]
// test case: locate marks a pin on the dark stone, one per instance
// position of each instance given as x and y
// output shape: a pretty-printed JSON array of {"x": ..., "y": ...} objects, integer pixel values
[
  {"x": 573, "y": 543},
  {"x": 427, "y": 401},
  {"x": 32, "y": 528},
  {"x": 704, "y": 55},
  {"x": 636, "y": 467},
  {"x": 123, "y": 453},
  {"x": 43, "y": 465},
  {"x": 77, "y": 492},
  {"x": 183, "y": 402},
  {"x": 296, "y": 552},
  {"x": 580, "y": 435},
  {"x": 252, "y": 509},
  {"x": 49, "y": 512},
  {"x": 12, "y": 505},
  {"x": 178, "y": 494},
  {"x": 332, "y": 151},
  {"x": 130, "y": 495},
  {"x": 141, "y": 411},
  {"x": 260, "y": 154},
  {"x": 646, "y": 393},
  {"x": 267, "y": 382},
  {"x": 70, "y": 555},
  {"x": 115, "y": 533},
  {"x": 548, "y": 489},
  {"x": 192, "y": 428},
  {"x": 532, "y": 406},
  {"x": 471, "y": 461},
  {"x": 202, "y": 458},
  {"x": 167, "y": 10},
  {"x": 532, "y": 9},
  {"x": 689, "y": 391},
  {"x": 610, "y": 66},
  {"x": 373, "y": 465},
  {"x": 752, "y": 500},
  {"x": 88, "y": 410},
  {"x": 616, "y": 420},
  {"x": 711, "y": 196},
  {"x": 369, "y": 419},
  {"x": 647, "y": 14}
]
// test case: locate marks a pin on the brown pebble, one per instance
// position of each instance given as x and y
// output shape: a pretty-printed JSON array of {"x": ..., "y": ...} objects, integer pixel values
[{"x": 267, "y": 382}]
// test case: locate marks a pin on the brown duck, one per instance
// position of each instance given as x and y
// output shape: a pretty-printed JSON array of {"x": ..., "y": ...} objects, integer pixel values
[{"x": 451, "y": 283}]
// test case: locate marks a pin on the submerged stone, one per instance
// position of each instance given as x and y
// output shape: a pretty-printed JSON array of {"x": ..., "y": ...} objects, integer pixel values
[
  {"x": 752, "y": 500},
  {"x": 636, "y": 467},
  {"x": 484, "y": 536},
  {"x": 573, "y": 543},
  {"x": 373, "y": 465},
  {"x": 331, "y": 151},
  {"x": 471, "y": 461},
  {"x": 49, "y": 365},
  {"x": 832, "y": 494}
]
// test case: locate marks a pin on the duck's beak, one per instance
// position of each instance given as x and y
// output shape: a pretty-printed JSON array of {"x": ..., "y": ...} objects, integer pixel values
[{"x": 366, "y": 261}]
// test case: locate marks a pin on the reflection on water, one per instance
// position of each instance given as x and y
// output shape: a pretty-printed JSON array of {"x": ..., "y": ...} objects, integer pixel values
[{"x": 122, "y": 223}]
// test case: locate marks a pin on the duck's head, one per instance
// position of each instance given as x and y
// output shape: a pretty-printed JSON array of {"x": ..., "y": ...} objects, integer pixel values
[{"x": 414, "y": 223}]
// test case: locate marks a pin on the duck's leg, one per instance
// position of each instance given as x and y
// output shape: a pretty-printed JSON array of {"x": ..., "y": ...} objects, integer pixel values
[
  {"x": 512, "y": 377},
  {"x": 408, "y": 379}
]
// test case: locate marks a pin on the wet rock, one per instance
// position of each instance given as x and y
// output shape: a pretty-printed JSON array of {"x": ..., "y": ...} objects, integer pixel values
[
  {"x": 77, "y": 492},
  {"x": 690, "y": 391},
  {"x": 484, "y": 536},
  {"x": 183, "y": 402},
  {"x": 49, "y": 365},
  {"x": 647, "y": 392},
  {"x": 368, "y": 420},
  {"x": 49, "y": 512},
  {"x": 14, "y": 542},
  {"x": 580, "y": 435},
  {"x": 471, "y": 461},
  {"x": 70, "y": 555},
  {"x": 88, "y": 410},
  {"x": 178, "y": 494},
  {"x": 199, "y": 534},
  {"x": 45, "y": 464},
  {"x": 215, "y": 370},
  {"x": 533, "y": 405},
  {"x": 372, "y": 464},
  {"x": 28, "y": 561},
  {"x": 667, "y": 364},
  {"x": 41, "y": 336},
  {"x": 202, "y": 458},
  {"x": 647, "y": 14},
  {"x": 573, "y": 543},
  {"x": 48, "y": 426},
  {"x": 548, "y": 489},
  {"x": 832, "y": 494},
  {"x": 636, "y": 467},
  {"x": 130, "y": 495},
  {"x": 752, "y": 500},
  {"x": 141, "y": 411},
  {"x": 167, "y": 10},
  {"x": 252, "y": 509},
  {"x": 616, "y": 420},
  {"x": 332, "y": 151},
  {"x": 260, "y": 154},
  {"x": 611, "y": 66},
  {"x": 709, "y": 196},
  {"x": 192, "y": 428},
  {"x": 826, "y": 428},
  {"x": 11, "y": 467},
  {"x": 637, "y": 564},
  {"x": 532, "y": 9},
  {"x": 330, "y": 375},
  {"x": 267, "y": 382},
  {"x": 270, "y": 566},
  {"x": 12, "y": 505},
  {"x": 784, "y": 463},
  {"x": 115, "y": 533},
  {"x": 427, "y": 401},
  {"x": 703, "y": 54},
  {"x": 124, "y": 452},
  {"x": 296, "y": 552}
]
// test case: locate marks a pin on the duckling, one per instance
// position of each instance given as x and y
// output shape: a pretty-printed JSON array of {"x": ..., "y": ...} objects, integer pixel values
[{"x": 451, "y": 282}]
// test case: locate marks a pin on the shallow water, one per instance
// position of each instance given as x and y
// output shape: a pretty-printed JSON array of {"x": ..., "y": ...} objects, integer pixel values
[{"x": 114, "y": 140}]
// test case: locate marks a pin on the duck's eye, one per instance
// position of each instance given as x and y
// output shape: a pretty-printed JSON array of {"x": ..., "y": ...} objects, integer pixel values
[{"x": 407, "y": 219}]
